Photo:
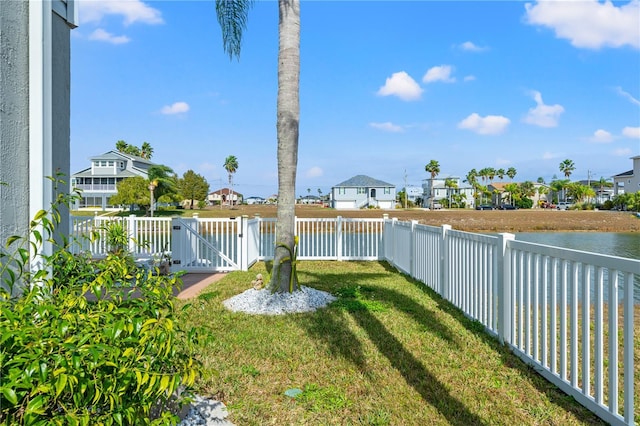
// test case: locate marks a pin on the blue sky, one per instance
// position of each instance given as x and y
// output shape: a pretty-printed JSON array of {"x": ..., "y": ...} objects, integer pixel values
[{"x": 385, "y": 87}]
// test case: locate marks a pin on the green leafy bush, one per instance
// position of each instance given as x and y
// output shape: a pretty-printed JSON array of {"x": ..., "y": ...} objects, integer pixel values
[{"x": 86, "y": 341}]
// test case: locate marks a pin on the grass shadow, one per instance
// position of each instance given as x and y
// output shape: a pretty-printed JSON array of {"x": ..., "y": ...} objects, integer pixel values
[
  {"x": 413, "y": 371},
  {"x": 508, "y": 358}
]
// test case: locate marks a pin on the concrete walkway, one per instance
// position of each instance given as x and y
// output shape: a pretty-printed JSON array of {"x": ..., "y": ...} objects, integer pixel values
[{"x": 195, "y": 283}]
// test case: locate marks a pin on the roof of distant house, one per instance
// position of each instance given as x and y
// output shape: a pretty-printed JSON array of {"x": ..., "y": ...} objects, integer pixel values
[
  {"x": 225, "y": 191},
  {"x": 627, "y": 173},
  {"x": 364, "y": 181}
]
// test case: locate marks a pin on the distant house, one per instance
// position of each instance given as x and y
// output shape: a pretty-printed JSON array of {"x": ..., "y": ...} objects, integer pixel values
[
  {"x": 225, "y": 196},
  {"x": 500, "y": 196},
  {"x": 628, "y": 181},
  {"x": 254, "y": 200},
  {"x": 441, "y": 192},
  {"x": 363, "y": 191},
  {"x": 310, "y": 199},
  {"x": 98, "y": 182},
  {"x": 414, "y": 193}
]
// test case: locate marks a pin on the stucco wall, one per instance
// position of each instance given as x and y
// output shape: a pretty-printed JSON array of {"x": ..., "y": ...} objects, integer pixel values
[
  {"x": 14, "y": 115},
  {"x": 61, "y": 76},
  {"x": 14, "y": 118}
]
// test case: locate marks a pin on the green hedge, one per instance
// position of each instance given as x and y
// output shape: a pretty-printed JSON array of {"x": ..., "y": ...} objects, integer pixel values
[{"x": 88, "y": 342}]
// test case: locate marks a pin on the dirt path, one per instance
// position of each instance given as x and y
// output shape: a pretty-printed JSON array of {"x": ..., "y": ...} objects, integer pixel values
[{"x": 533, "y": 220}]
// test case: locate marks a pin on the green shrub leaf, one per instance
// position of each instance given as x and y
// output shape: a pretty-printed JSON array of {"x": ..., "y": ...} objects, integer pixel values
[{"x": 10, "y": 395}]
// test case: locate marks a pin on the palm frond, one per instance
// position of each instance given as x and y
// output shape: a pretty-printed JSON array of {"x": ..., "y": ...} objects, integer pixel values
[{"x": 232, "y": 17}]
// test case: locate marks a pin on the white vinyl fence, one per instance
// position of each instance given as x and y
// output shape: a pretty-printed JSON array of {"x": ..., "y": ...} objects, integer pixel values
[{"x": 568, "y": 313}]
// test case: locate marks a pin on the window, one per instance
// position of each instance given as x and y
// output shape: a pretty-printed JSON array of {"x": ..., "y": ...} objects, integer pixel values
[
  {"x": 122, "y": 164},
  {"x": 362, "y": 190},
  {"x": 342, "y": 191},
  {"x": 387, "y": 190}
]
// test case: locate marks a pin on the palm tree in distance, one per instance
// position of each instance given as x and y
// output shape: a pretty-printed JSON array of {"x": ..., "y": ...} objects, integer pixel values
[
  {"x": 511, "y": 172},
  {"x": 146, "y": 150},
  {"x": 567, "y": 167},
  {"x": 161, "y": 181},
  {"x": 433, "y": 168},
  {"x": 231, "y": 166},
  {"x": 232, "y": 16},
  {"x": 121, "y": 146}
]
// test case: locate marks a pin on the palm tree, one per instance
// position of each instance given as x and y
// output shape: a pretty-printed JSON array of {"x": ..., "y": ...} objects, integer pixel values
[
  {"x": 231, "y": 166},
  {"x": 121, "y": 146},
  {"x": 232, "y": 16},
  {"x": 161, "y": 181},
  {"x": 450, "y": 184},
  {"x": 511, "y": 172},
  {"x": 512, "y": 189},
  {"x": 500, "y": 173},
  {"x": 567, "y": 167},
  {"x": 602, "y": 183},
  {"x": 433, "y": 168},
  {"x": 146, "y": 150}
]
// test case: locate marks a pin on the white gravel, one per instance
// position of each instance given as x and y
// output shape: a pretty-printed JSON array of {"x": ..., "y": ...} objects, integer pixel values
[
  {"x": 206, "y": 412},
  {"x": 263, "y": 302}
]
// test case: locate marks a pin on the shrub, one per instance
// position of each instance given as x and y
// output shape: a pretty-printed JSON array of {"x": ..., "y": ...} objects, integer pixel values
[{"x": 76, "y": 346}]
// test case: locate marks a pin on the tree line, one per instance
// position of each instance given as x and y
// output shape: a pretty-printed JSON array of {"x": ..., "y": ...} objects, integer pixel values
[{"x": 519, "y": 194}]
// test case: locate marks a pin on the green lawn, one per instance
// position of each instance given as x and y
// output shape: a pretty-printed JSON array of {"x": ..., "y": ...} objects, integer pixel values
[{"x": 389, "y": 351}]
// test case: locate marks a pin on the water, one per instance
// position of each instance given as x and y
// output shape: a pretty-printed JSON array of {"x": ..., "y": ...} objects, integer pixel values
[{"x": 610, "y": 243}]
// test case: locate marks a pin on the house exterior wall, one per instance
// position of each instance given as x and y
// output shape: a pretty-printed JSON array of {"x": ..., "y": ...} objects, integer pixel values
[
  {"x": 14, "y": 118},
  {"x": 628, "y": 183},
  {"x": 34, "y": 111},
  {"x": 359, "y": 197}
]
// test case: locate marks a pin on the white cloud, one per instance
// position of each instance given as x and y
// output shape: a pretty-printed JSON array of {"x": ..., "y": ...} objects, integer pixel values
[
  {"x": 175, "y": 108},
  {"x": 387, "y": 126},
  {"x": 131, "y": 11},
  {"x": 601, "y": 136},
  {"x": 543, "y": 115},
  {"x": 622, "y": 152},
  {"x": 439, "y": 73},
  {"x": 472, "y": 47},
  {"x": 631, "y": 132},
  {"x": 314, "y": 172},
  {"x": 470, "y": 78},
  {"x": 102, "y": 35},
  {"x": 589, "y": 24},
  {"x": 503, "y": 162},
  {"x": 489, "y": 125},
  {"x": 550, "y": 155},
  {"x": 401, "y": 84},
  {"x": 627, "y": 95}
]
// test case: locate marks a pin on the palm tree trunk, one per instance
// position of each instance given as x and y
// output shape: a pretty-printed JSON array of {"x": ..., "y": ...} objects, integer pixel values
[{"x": 288, "y": 115}]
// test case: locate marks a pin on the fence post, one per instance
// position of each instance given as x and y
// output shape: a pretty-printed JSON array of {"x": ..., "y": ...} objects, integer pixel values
[
  {"x": 385, "y": 218},
  {"x": 412, "y": 249},
  {"x": 132, "y": 226},
  {"x": 444, "y": 284},
  {"x": 503, "y": 286},
  {"x": 243, "y": 243},
  {"x": 177, "y": 243},
  {"x": 339, "y": 238}
]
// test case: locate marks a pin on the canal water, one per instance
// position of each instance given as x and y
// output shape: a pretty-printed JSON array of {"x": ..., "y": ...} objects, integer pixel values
[{"x": 611, "y": 243}]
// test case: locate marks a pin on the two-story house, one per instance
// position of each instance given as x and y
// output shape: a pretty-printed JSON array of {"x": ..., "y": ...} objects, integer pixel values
[
  {"x": 363, "y": 191},
  {"x": 224, "y": 196},
  {"x": 441, "y": 191},
  {"x": 98, "y": 182},
  {"x": 629, "y": 181}
]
